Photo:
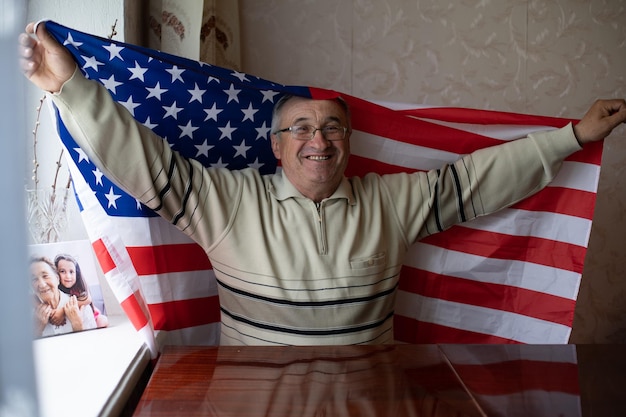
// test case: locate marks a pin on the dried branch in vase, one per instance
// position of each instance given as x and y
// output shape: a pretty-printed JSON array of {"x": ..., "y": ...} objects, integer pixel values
[
  {"x": 113, "y": 31},
  {"x": 47, "y": 208}
]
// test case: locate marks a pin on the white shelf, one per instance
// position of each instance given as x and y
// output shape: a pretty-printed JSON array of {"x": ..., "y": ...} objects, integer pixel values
[{"x": 90, "y": 373}]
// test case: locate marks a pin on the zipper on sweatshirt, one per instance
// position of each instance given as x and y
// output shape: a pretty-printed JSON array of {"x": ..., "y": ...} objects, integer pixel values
[{"x": 321, "y": 229}]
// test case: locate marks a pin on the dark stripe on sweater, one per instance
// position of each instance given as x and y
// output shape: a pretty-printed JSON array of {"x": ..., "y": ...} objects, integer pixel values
[
  {"x": 436, "y": 203},
  {"x": 186, "y": 196},
  {"x": 469, "y": 180},
  {"x": 306, "y": 303},
  {"x": 459, "y": 194},
  {"x": 168, "y": 184},
  {"x": 307, "y": 332}
]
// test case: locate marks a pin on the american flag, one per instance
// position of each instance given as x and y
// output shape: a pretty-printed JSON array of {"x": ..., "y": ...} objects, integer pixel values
[{"x": 511, "y": 277}]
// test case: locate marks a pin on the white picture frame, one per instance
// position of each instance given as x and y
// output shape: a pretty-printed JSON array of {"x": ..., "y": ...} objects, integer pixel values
[{"x": 81, "y": 252}]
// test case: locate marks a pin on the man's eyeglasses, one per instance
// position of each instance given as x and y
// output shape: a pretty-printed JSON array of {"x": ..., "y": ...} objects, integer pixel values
[{"x": 307, "y": 132}]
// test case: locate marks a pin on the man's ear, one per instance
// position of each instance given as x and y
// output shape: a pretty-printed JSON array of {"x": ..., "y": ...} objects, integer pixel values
[{"x": 275, "y": 146}]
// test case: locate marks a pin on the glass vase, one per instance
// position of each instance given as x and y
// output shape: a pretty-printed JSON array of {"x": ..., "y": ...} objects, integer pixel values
[{"x": 47, "y": 214}]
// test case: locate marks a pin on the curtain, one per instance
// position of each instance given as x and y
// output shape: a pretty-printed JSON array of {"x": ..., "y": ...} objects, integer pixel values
[{"x": 203, "y": 30}]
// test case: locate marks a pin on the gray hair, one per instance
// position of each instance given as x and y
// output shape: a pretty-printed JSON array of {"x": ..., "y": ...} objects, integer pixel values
[{"x": 276, "y": 113}]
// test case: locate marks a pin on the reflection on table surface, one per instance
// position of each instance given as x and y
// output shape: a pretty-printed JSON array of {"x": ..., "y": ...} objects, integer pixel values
[{"x": 388, "y": 380}]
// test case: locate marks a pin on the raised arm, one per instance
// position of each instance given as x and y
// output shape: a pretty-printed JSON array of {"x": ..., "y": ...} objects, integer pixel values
[{"x": 127, "y": 152}]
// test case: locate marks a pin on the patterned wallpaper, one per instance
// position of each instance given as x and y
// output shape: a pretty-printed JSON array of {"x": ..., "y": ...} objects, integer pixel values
[{"x": 551, "y": 57}]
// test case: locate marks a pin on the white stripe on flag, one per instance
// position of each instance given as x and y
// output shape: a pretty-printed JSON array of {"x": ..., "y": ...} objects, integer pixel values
[
  {"x": 208, "y": 334},
  {"x": 578, "y": 176},
  {"x": 483, "y": 320},
  {"x": 148, "y": 336},
  {"x": 148, "y": 231},
  {"x": 398, "y": 153},
  {"x": 176, "y": 286},
  {"x": 545, "y": 225},
  {"x": 545, "y": 279}
]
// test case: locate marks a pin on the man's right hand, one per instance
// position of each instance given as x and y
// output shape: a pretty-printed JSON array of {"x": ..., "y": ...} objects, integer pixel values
[{"x": 44, "y": 61}]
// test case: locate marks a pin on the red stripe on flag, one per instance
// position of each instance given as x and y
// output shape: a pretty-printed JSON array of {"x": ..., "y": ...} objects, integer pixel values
[
  {"x": 489, "y": 295},
  {"x": 162, "y": 259},
  {"x": 592, "y": 154},
  {"x": 181, "y": 314},
  {"x": 104, "y": 257},
  {"x": 517, "y": 248},
  {"x": 560, "y": 200},
  {"x": 359, "y": 166},
  {"x": 323, "y": 94},
  {"x": 485, "y": 117},
  {"x": 409, "y": 330},
  {"x": 390, "y": 124},
  {"x": 132, "y": 308}
]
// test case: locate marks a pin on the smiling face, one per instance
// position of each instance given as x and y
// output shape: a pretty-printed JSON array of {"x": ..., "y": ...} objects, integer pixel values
[
  {"x": 44, "y": 281},
  {"x": 67, "y": 272},
  {"x": 315, "y": 167}
]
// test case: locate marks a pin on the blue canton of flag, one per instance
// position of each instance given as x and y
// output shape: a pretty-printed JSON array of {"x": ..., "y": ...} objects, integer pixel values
[{"x": 217, "y": 116}]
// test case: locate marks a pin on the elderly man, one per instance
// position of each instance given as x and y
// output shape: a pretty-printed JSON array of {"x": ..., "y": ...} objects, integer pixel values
[{"x": 304, "y": 256}]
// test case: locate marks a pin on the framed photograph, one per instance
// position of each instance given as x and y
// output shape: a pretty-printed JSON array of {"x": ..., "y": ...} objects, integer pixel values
[{"x": 66, "y": 293}]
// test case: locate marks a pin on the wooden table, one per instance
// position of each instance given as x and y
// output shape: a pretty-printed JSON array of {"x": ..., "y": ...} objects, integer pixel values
[{"x": 388, "y": 380}]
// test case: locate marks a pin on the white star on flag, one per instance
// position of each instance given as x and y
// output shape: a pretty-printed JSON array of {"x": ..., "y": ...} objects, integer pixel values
[
  {"x": 176, "y": 73},
  {"x": 248, "y": 114},
  {"x": 204, "y": 149},
  {"x": 233, "y": 94},
  {"x": 137, "y": 72},
  {"x": 70, "y": 41},
  {"x": 172, "y": 111},
  {"x": 187, "y": 130},
  {"x": 156, "y": 91},
  {"x": 149, "y": 123},
  {"x": 211, "y": 114},
  {"x": 112, "y": 198},
  {"x": 196, "y": 93},
  {"x": 219, "y": 164},
  {"x": 91, "y": 62},
  {"x": 82, "y": 156},
  {"x": 240, "y": 75},
  {"x": 263, "y": 131},
  {"x": 130, "y": 105},
  {"x": 110, "y": 84},
  {"x": 242, "y": 149},
  {"x": 227, "y": 131},
  {"x": 256, "y": 164},
  {"x": 114, "y": 51},
  {"x": 268, "y": 95},
  {"x": 98, "y": 175}
]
